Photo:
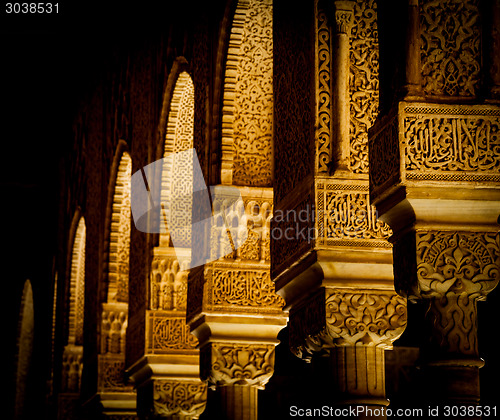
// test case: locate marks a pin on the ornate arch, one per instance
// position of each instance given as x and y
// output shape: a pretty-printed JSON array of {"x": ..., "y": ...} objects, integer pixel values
[
  {"x": 247, "y": 104},
  {"x": 176, "y": 177},
  {"x": 24, "y": 346},
  {"x": 72, "y": 364},
  {"x": 166, "y": 331},
  {"x": 118, "y": 224},
  {"x": 77, "y": 285},
  {"x": 112, "y": 389}
]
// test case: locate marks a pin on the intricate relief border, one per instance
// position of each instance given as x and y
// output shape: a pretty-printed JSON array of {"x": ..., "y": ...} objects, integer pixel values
[
  {"x": 384, "y": 154},
  {"x": 168, "y": 333},
  {"x": 323, "y": 88},
  {"x": 435, "y": 143},
  {"x": 245, "y": 288},
  {"x": 460, "y": 143},
  {"x": 345, "y": 216}
]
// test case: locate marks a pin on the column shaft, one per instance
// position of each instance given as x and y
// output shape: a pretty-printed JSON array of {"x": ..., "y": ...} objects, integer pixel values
[{"x": 239, "y": 402}]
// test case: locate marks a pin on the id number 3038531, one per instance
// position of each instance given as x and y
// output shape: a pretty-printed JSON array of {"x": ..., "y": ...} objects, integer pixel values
[{"x": 31, "y": 8}]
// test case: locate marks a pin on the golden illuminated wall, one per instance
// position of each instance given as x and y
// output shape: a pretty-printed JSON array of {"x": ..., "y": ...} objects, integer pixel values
[{"x": 315, "y": 112}]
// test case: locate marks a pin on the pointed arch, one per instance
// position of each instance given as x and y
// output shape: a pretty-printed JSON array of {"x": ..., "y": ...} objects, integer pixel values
[
  {"x": 119, "y": 229},
  {"x": 247, "y": 103},
  {"x": 72, "y": 363},
  {"x": 24, "y": 347},
  {"x": 115, "y": 287},
  {"x": 77, "y": 286},
  {"x": 176, "y": 178}
]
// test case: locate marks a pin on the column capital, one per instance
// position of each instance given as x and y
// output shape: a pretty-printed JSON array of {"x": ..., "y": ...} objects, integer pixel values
[
  {"x": 344, "y": 16},
  {"x": 430, "y": 264},
  {"x": 345, "y": 317},
  {"x": 183, "y": 399},
  {"x": 250, "y": 364}
]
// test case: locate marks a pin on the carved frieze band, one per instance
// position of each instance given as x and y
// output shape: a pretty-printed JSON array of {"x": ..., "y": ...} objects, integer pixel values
[
  {"x": 179, "y": 398},
  {"x": 292, "y": 231},
  {"x": 168, "y": 332},
  {"x": 240, "y": 288},
  {"x": 450, "y": 143},
  {"x": 384, "y": 154},
  {"x": 345, "y": 216},
  {"x": 237, "y": 364},
  {"x": 453, "y": 144},
  {"x": 112, "y": 374},
  {"x": 168, "y": 284},
  {"x": 335, "y": 317}
]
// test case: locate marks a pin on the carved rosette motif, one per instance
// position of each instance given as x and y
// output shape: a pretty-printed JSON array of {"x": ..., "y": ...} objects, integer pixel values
[
  {"x": 237, "y": 364},
  {"x": 186, "y": 398},
  {"x": 363, "y": 81},
  {"x": 336, "y": 317},
  {"x": 450, "y": 47}
]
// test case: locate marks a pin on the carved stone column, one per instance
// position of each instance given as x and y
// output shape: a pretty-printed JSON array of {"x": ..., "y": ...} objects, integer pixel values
[
  {"x": 343, "y": 14},
  {"x": 356, "y": 326},
  {"x": 332, "y": 262},
  {"x": 232, "y": 307},
  {"x": 434, "y": 179},
  {"x": 167, "y": 376},
  {"x": 115, "y": 397}
]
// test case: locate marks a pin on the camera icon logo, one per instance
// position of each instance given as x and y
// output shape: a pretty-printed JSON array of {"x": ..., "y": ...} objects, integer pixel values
[{"x": 170, "y": 196}]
